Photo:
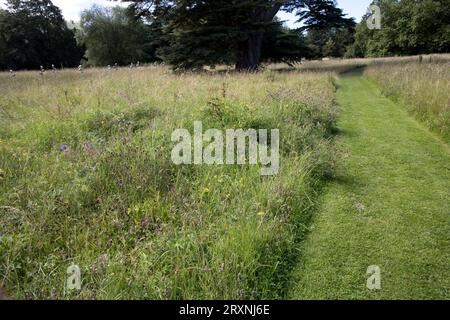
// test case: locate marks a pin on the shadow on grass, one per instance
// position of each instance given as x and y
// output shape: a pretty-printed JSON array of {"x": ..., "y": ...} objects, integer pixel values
[
  {"x": 346, "y": 133},
  {"x": 292, "y": 253}
]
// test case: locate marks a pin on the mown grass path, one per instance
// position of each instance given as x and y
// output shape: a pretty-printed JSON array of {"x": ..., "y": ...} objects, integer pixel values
[{"x": 390, "y": 208}]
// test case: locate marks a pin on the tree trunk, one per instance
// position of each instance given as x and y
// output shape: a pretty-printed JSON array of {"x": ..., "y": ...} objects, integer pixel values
[{"x": 249, "y": 52}]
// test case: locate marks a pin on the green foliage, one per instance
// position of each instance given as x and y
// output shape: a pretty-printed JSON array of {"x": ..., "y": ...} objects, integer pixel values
[
  {"x": 323, "y": 15},
  {"x": 34, "y": 33},
  {"x": 211, "y": 32},
  {"x": 329, "y": 43},
  {"x": 328, "y": 31},
  {"x": 281, "y": 44},
  {"x": 408, "y": 27},
  {"x": 112, "y": 36}
]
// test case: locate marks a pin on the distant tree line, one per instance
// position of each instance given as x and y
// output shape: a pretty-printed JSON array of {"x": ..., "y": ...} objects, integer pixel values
[
  {"x": 186, "y": 34},
  {"x": 408, "y": 27},
  {"x": 190, "y": 34},
  {"x": 33, "y": 33},
  {"x": 112, "y": 36}
]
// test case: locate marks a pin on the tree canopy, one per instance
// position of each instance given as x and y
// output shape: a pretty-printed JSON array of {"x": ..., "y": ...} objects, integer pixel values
[
  {"x": 112, "y": 36},
  {"x": 210, "y": 32},
  {"x": 282, "y": 44},
  {"x": 408, "y": 27},
  {"x": 192, "y": 34},
  {"x": 34, "y": 33}
]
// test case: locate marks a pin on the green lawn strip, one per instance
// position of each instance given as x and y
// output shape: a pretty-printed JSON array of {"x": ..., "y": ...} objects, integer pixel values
[{"x": 390, "y": 208}]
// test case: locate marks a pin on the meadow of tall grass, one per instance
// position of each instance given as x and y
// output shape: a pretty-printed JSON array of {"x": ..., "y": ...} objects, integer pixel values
[
  {"x": 86, "y": 178},
  {"x": 422, "y": 86}
]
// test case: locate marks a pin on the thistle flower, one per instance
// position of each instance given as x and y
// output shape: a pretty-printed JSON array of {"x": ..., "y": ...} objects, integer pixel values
[
  {"x": 100, "y": 263},
  {"x": 360, "y": 207},
  {"x": 89, "y": 148}
]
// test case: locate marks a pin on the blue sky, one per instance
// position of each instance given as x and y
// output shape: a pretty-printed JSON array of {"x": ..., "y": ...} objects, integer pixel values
[
  {"x": 72, "y": 8},
  {"x": 353, "y": 8}
]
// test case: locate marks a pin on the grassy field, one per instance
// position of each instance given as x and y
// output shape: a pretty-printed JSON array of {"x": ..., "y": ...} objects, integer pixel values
[
  {"x": 421, "y": 84},
  {"x": 424, "y": 88},
  {"x": 86, "y": 178},
  {"x": 389, "y": 208}
]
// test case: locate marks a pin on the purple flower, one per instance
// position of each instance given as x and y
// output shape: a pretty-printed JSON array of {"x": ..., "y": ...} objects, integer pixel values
[
  {"x": 64, "y": 148},
  {"x": 88, "y": 146}
]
